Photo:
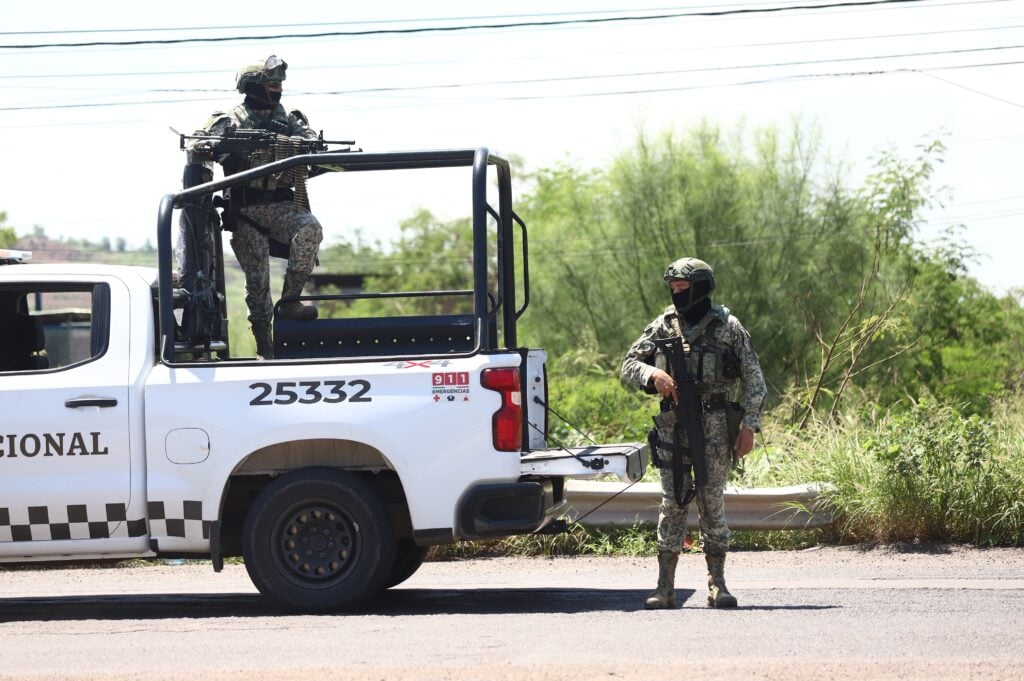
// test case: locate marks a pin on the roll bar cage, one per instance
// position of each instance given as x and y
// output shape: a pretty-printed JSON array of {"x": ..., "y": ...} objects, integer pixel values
[{"x": 485, "y": 307}]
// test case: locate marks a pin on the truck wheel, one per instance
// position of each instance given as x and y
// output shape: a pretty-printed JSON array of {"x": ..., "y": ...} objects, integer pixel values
[
  {"x": 318, "y": 539},
  {"x": 408, "y": 559}
]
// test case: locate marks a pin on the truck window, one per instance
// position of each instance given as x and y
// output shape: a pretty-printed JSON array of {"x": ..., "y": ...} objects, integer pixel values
[{"x": 52, "y": 326}]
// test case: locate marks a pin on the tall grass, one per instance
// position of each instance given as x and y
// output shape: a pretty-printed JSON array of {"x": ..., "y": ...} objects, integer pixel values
[
  {"x": 638, "y": 540},
  {"x": 930, "y": 473},
  {"x": 927, "y": 474}
]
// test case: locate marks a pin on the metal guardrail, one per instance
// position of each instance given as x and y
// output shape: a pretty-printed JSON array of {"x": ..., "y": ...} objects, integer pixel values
[{"x": 768, "y": 508}]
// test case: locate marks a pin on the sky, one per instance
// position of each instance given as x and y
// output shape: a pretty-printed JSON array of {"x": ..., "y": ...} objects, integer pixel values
[{"x": 88, "y": 149}]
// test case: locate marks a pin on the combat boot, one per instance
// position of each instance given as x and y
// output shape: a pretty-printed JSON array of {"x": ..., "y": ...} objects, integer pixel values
[
  {"x": 264, "y": 341},
  {"x": 665, "y": 595},
  {"x": 718, "y": 592},
  {"x": 295, "y": 309}
]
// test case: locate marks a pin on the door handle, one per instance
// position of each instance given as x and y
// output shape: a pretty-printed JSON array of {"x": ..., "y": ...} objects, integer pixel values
[{"x": 76, "y": 402}]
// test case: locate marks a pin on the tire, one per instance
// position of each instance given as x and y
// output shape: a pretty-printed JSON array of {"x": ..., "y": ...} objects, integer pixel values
[
  {"x": 317, "y": 540},
  {"x": 408, "y": 559}
]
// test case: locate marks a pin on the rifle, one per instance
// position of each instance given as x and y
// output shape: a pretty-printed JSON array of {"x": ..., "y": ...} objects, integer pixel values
[
  {"x": 244, "y": 142},
  {"x": 689, "y": 413}
]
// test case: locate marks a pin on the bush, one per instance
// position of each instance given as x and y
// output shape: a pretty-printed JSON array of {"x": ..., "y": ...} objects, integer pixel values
[
  {"x": 931, "y": 473},
  {"x": 589, "y": 404}
]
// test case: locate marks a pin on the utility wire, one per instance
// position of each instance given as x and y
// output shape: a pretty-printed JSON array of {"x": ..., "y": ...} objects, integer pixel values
[
  {"x": 638, "y": 74},
  {"x": 761, "y": 81},
  {"x": 970, "y": 89},
  {"x": 782, "y": 43},
  {"x": 363, "y": 91},
  {"x": 163, "y": 29},
  {"x": 607, "y": 93},
  {"x": 473, "y": 27},
  {"x": 356, "y": 23}
]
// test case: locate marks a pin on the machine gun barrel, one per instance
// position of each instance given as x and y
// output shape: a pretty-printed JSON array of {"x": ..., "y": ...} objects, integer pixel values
[{"x": 251, "y": 140}]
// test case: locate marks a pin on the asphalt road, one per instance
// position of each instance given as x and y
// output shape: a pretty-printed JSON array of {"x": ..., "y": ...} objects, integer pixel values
[{"x": 838, "y": 613}]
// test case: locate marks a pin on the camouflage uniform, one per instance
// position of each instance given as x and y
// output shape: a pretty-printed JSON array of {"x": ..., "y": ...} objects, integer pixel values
[
  {"x": 716, "y": 333},
  {"x": 638, "y": 365},
  {"x": 280, "y": 217}
]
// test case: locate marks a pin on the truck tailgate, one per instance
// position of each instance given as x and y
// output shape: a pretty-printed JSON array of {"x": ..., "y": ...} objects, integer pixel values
[{"x": 626, "y": 460}]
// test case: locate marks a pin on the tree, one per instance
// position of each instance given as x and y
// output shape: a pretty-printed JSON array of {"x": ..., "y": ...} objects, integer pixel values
[
  {"x": 430, "y": 255},
  {"x": 747, "y": 207},
  {"x": 8, "y": 237},
  {"x": 829, "y": 279}
]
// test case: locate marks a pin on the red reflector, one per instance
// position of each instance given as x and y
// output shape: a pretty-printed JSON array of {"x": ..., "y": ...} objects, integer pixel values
[{"x": 507, "y": 422}]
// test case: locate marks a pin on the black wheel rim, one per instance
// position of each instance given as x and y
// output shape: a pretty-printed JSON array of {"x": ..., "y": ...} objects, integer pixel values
[{"x": 317, "y": 544}]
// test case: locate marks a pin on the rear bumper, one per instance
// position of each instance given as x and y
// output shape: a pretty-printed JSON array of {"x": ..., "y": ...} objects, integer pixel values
[
  {"x": 627, "y": 461},
  {"x": 502, "y": 509}
]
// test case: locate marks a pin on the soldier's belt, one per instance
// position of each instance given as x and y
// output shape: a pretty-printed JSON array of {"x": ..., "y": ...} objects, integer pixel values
[
  {"x": 713, "y": 402},
  {"x": 251, "y": 196}
]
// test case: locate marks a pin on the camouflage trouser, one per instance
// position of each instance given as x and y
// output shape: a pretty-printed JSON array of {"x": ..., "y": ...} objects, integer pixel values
[
  {"x": 710, "y": 500},
  {"x": 287, "y": 224}
]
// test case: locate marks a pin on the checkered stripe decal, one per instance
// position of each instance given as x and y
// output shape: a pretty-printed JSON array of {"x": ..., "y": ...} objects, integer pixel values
[
  {"x": 165, "y": 520},
  {"x": 74, "y": 521}
]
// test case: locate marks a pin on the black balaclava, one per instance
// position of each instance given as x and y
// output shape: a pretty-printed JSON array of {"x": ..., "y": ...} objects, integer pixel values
[
  {"x": 258, "y": 97},
  {"x": 693, "y": 303}
]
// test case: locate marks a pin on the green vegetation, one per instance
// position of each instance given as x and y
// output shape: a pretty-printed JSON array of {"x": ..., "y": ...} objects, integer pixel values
[
  {"x": 838, "y": 295},
  {"x": 8, "y": 237},
  {"x": 930, "y": 472},
  {"x": 639, "y": 540},
  {"x": 895, "y": 377}
]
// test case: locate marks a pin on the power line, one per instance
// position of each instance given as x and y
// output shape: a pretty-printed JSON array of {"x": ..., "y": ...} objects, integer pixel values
[
  {"x": 475, "y": 27},
  {"x": 761, "y": 81},
  {"x": 607, "y": 93},
  {"x": 530, "y": 81},
  {"x": 970, "y": 89},
  {"x": 93, "y": 105},
  {"x": 883, "y": 36},
  {"x": 352, "y": 23},
  {"x": 637, "y": 74}
]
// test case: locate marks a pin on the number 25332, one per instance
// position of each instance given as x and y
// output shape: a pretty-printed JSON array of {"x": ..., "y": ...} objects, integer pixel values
[{"x": 311, "y": 392}]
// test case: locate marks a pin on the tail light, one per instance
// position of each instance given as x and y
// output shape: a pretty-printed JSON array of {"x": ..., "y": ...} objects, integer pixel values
[{"x": 507, "y": 422}]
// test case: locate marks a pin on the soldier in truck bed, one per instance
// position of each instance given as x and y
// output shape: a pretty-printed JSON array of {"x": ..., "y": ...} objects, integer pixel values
[{"x": 268, "y": 220}]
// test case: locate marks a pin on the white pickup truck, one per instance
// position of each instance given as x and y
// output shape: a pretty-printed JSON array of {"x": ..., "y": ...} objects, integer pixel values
[{"x": 330, "y": 468}]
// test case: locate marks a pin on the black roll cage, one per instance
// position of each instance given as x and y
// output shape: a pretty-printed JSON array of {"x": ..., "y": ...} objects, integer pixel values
[{"x": 485, "y": 307}]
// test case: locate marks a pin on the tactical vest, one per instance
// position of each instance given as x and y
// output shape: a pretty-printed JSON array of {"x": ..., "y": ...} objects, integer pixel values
[{"x": 707, "y": 361}]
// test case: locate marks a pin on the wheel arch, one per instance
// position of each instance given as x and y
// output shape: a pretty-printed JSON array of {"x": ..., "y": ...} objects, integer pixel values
[{"x": 257, "y": 470}]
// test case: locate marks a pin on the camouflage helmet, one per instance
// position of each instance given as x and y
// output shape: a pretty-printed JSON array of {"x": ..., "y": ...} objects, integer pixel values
[
  {"x": 261, "y": 73},
  {"x": 692, "y": 270}
]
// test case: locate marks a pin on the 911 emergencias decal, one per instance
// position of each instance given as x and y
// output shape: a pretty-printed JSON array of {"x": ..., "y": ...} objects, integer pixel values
[{"x": 450, "y": 386}]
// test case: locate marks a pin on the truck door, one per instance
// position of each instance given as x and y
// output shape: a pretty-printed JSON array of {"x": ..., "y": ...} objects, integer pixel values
[{"x": 65, "y": 472}]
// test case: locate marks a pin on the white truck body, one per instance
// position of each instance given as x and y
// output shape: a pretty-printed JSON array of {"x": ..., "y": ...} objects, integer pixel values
[{"x": 329, "y": 472}]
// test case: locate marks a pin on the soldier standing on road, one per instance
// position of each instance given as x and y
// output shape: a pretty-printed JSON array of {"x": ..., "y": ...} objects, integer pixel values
[
  {"x": 268, "y": 218},
  {"x": 718, "y": 352}
]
